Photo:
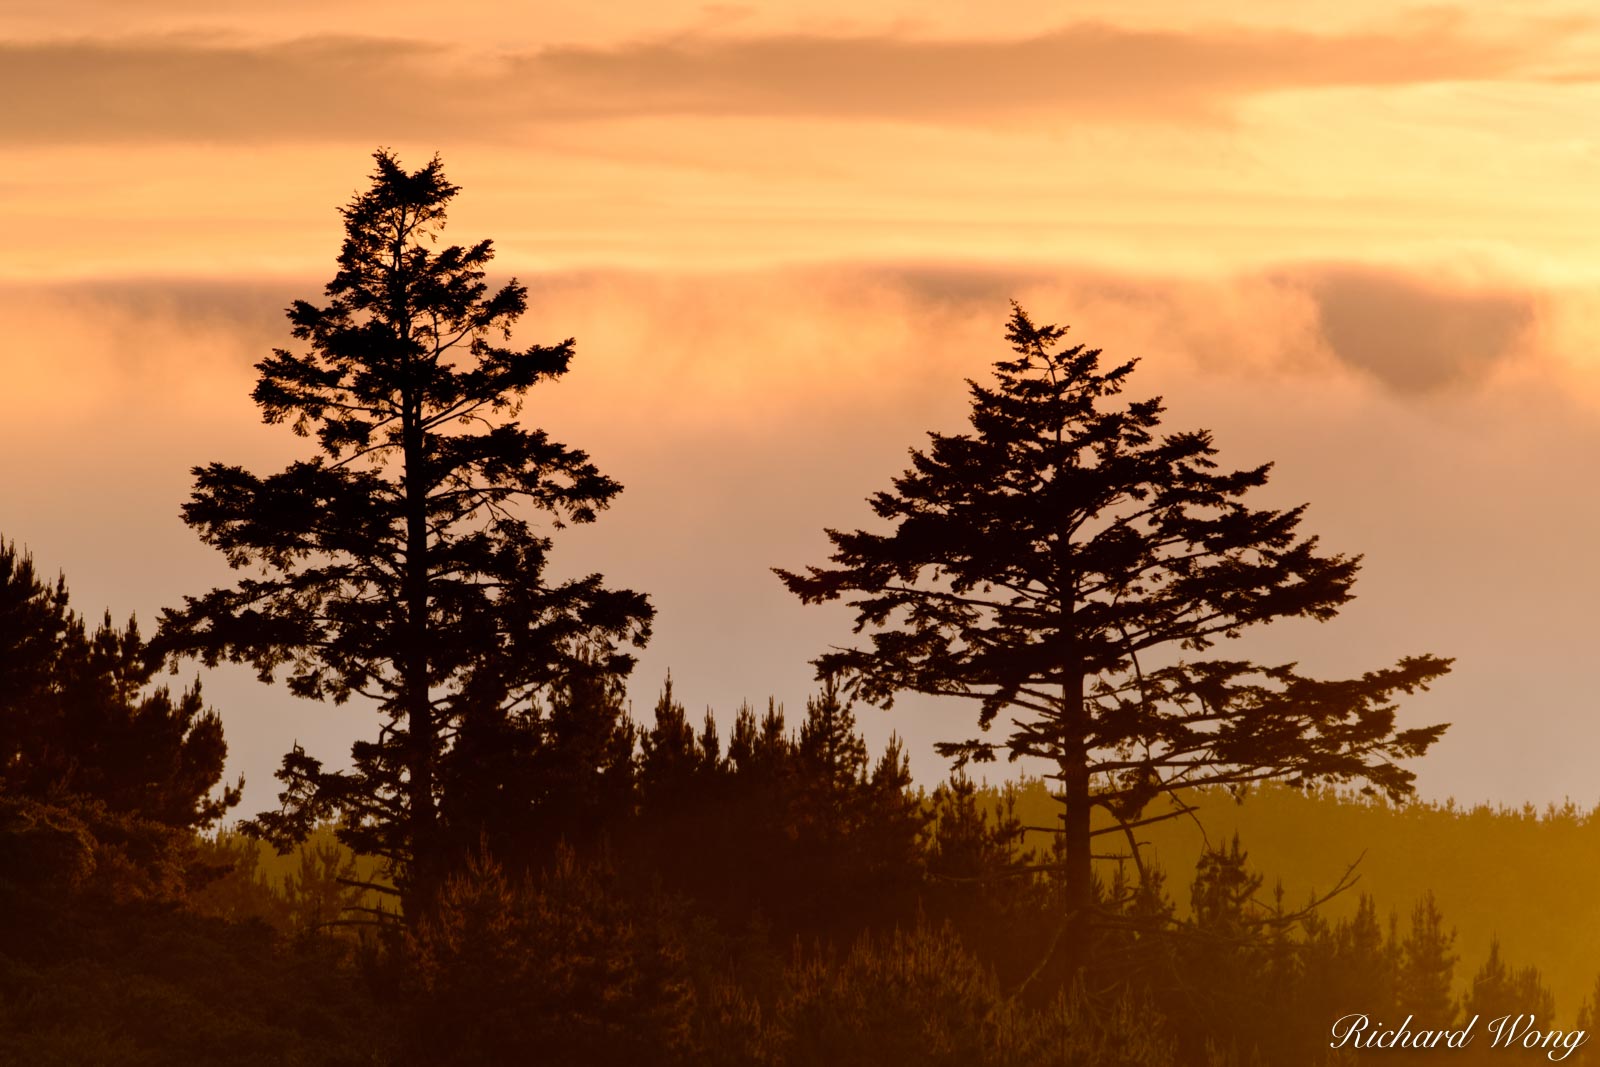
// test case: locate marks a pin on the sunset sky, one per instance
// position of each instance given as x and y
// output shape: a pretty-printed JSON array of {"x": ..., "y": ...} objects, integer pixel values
[{"x": 1353, "y": 238}]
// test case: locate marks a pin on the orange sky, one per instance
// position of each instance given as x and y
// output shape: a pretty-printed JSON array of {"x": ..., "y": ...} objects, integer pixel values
[{"x": 1355, "y": 239}]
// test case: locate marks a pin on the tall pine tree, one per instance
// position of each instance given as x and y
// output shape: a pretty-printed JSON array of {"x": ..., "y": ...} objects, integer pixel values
[
  {"x": 405, "y": 561},
  {"x": 1065, "y": 565}
]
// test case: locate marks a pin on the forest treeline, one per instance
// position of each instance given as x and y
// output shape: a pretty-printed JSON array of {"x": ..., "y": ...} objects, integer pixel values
[{"x": 768, "y": 892}]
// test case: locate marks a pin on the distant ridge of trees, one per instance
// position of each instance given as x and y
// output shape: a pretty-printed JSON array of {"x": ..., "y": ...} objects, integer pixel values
[{"x": 1520, "y": 872}]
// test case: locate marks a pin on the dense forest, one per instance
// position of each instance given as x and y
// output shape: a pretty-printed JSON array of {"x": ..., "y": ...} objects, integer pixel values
[
  {"x": 512, "y": 869},
  {"x": 786, "y": 898}
]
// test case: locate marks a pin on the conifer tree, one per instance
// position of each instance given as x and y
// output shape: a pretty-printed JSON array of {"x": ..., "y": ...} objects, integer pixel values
[
  {"x": 1427, "y": 968},
  {"x": 1066, "y": 565},
  {"x": 671, "y": 760},
  {"x": 760, "y": 750},
  {"x": 1588, "y": 1020},
  {"x": 405, "y": 561},
  {"x": 966, "y": 842},
  {"x": 830, "y": 776},
  {"x": 1365, "y": 963},
  {"x": 857, "y": 824},
  {"x": 558, "y": 769},
  {"x": 1499, "y": 989},
  {"x": 80, "y": 720}
]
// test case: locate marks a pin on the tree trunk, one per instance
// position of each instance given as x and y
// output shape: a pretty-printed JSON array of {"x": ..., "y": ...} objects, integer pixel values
[
  {"x": 424, "y": 872},
  {"x": 1078, "y": 876}
]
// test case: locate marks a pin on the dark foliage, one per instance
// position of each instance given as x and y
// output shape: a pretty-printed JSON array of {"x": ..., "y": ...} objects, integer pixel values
[
  {"x": 123, "y": 948},
  {"x": 564, "y": 969},
  {"x": 784, "y": 826},
  {"x": 88, "y": 980},
  {"x": 80, "y": 722}
]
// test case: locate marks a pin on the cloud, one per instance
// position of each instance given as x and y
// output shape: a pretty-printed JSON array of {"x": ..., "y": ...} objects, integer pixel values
[
  {"x": 186, "y": 88},
  {"x": 215, "y": 89},
  {"x": 1412, "y": 330},
  {"x": 1089, "y": 68},
  {"x": 848, "y": 330},
  {"x": 1416, "y": 334}
]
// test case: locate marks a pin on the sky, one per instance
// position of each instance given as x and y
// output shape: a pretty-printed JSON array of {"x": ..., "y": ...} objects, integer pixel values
[{"x": 1354, "y": 239}]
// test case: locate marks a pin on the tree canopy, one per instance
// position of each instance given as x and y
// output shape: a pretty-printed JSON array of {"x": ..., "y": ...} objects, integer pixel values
[
  {"x": 80, "y": 721},
  {"x": 405, "y": 562},
  {"x": 1067, "y": 565}
]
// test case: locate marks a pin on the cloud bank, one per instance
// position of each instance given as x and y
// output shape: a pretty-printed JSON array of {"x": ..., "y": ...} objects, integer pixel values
[{"x": 198, "y": 88}]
